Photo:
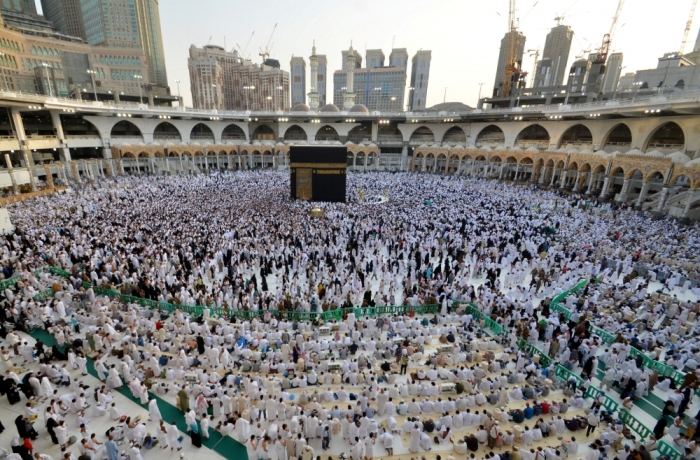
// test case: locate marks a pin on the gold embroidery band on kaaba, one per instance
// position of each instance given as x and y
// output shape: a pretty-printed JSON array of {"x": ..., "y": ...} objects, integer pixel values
[{"x": 319, "y": 165}]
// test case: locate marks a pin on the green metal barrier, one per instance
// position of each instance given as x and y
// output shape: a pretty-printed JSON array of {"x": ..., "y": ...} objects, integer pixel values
[
  {"x": 607, "y": 402},
  {"x": 666, "y": 449},
  {"x": 545, "y": 360},
  {"x": 565, "y": 374},
  {"x": 9, "y": 282},
  {"x": 43, "y": 295},
  {"x": 633, "y": 424},
  {"x": 604, "y": 335}
]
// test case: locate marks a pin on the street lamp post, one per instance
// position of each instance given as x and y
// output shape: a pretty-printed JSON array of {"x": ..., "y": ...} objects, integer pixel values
[
  {"x": 4, "y": 77},
  {"x": 140, "y": 79},
  {"x": 247, "y": 89},
  {"x": 179, "y": 100},
  {"x": 618, "y": 81},
  {"x": 444, "y": 95},
  {"x": 92, "y": 79},
  {"x": 48, "y": 77},
  {"x": 410, "y": 98},
  {"x": 479, "y": 98},
  {"x": 568, "y": 87},
  {"x": 668, "y": 64}
]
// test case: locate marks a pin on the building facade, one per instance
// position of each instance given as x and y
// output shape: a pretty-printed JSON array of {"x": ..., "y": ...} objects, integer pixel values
[
  {"x": 246, "y": 86},
  {"x": 613, "y": 69},
  {"x": 66, "y": 16},
  {"x": 297, "y": 73},
  {"x": 672, "y": 72},
  {"x": 551, "y": 69},
  {"x": 420, "y": 72},
  {"x": 46, "y": 62},
  {"x": 130, "y": 24},
  {"x": 519, "y": 39},
  {"x": 322, "y": 79},
  {"x": 398, "y": 58},
  {"x": 206, "y": 82}
]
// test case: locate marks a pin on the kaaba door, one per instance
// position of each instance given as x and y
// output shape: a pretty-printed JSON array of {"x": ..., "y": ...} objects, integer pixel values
[{"x": 304, "y": 181}]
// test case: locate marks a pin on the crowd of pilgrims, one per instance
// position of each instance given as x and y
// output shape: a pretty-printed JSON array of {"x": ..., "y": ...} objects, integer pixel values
[{"x": 236, "y": 241}]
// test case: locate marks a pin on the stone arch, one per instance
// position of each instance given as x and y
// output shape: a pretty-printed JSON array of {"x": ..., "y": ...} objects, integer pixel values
[
  {"x": 129, "y": 155},
  {"x": 685, "y": 181},
  {"x": 167, "y": 131},
  {"x": 491, "y": 135},
  {"x": 361, "y": 133},
  {"x": 619, "y": 138},
  {"x": 573, "y": 166},
  {"x": 600, "y": 169},
  {"x": 144, "y": 155},
  {"x": 295, "y": 133},
  {"x": 422, "y": 135},
  {"x": 666, "y": 138},
  {"x": 232, "y": 133},
  {"x": 455, "y": 135},
  {"x": 173, "y": 154},
  {"x": 126, "y": 129},
  {"x": 327, "y": 133},
  {"x": 79, "y": 126},
  {"x": 200, "y": 131},
  {"x": 263, "y": 133},
  {"x": 576, "y": 135},
  {"x": 534, "y": 135},
  {"x": 655, "y": 176}
]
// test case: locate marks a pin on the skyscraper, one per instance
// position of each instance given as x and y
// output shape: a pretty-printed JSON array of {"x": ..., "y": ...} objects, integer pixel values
[
  {"x": 148, "y": 16},
  {"x": 420, "y": 71},
  {"x": 613, "y": 69},
  {"x": 398, "y": 58},
  {"x": 551, "y": 69},
  {"x": 66, "y": 16},
  {"x": 374, "y": 59},
  {"x": 322, "y": 79},
  {"x": 298, "y": 80},
  {"x": 519, "y": 40},
  {"x": 245, "y": 86},
  {"x": 206, "y": 82},
  {"x": 114, "y": 23}
]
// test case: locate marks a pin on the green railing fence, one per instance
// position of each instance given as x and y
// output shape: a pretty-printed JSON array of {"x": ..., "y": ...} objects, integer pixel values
[
  {"x": 633, "y": 424},
  {"x": 666, "y": 449}
]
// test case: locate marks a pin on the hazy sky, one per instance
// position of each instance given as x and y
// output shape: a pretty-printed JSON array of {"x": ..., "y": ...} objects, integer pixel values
[{"x": 464, "y": 35}]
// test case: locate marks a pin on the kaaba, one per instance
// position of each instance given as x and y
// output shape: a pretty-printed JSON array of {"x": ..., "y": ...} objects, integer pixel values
[{"x": 318, "y": 173}]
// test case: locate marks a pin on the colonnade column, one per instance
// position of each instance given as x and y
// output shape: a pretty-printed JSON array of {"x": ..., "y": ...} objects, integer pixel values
[
  {"x": 686, "y": 210},
  {"x": 643, "y": 194},
  {"x": 11, "y": 170},
  {"x": 662, "y": 199},
  {"x": 606, "y": 184},
  {"x": 64, "y": 152},
  {"x": 624, "y": 191}
]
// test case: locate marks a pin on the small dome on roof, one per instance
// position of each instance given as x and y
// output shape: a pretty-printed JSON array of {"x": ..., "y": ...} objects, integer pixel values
[
  {"x": 124, "y": 144},
  {"x": 501, "y": 148},
  {"x": 533, "y": 150},
  {"x": 458, "y": 146},
  {"x": 572, "y": 151},
  {"x": 587, "y": 151},
  {"x": 155, "y": 144},
  {"x": 337, "y": 143},
  {"x": 359, "y": 108},
  {"x": 634, "y": 152},
  {"x": 230, "y": 143},
  {"x": 196, "y": 144},
  {"x": 169, "y": 144},
  {"x": 330, "y": 108},
  {"x": 140, "y": 144},
  {"x": 279, "y": 143},
  {"x": 348, "y": 143},
  {"x": 301, "y": 108},
  {"x": 680, "y": 157},
  {"x": 207, "y": 144},
  {"x": 471, "y": 147},
  {"x": 655, "y": 153},
  {"x": 516, "y": 149},
  {"x": 695, "y": 162},
  {"x": 486, "y": 148}
]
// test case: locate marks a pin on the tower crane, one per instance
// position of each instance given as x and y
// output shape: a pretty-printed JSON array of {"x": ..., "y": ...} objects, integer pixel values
[
  {"x": 246, "y": 47},
  {"x": 512, "y": 71},
  {"x": 687, "y": 26},
  {"x": 536, "y": 54},
  {"x": 607, "y": 38},
  {"x": 266, "y": 52}
]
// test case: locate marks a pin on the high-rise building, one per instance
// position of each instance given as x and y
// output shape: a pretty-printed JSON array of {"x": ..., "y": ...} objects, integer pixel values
[
  {"x": 374, "y": 59},
  {"x": 297, "y": 73},
  {"x": 398, "y": 58},
  {"x": 625, "y": 83},
  {"x": 148, "y": 17},
  {"x": 133, "y": 24},
  {"x": 358, "y": 58},
  {"x": 322, "y": 79},
  {"x": 578, "y": 76},
  {"x": 206, "y": 82},
  {"x": 420, "y": 71},
  {"x": 613, "y": 69},
  {"x": 65, "y": 15},
  {"x": 111, "y": 23},
  {"x": 519, "y": 43},
  {"x": 376, "y": 86},
  {"x": 551, "y": 69},
  {"x": 247, "y": 86}
]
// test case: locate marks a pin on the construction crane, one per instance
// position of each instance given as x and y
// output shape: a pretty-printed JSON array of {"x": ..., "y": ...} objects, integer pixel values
[
  {"x": 687, "y": 27},
  {"x": 607, "y": 38},
  {"x": 266, "y": 52},
  {"x": 246, "y": 47},
  {"x": 512, "y": 71},
  {"x": 536, "y": 54},
  {"x": 561, "y": 17}
]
